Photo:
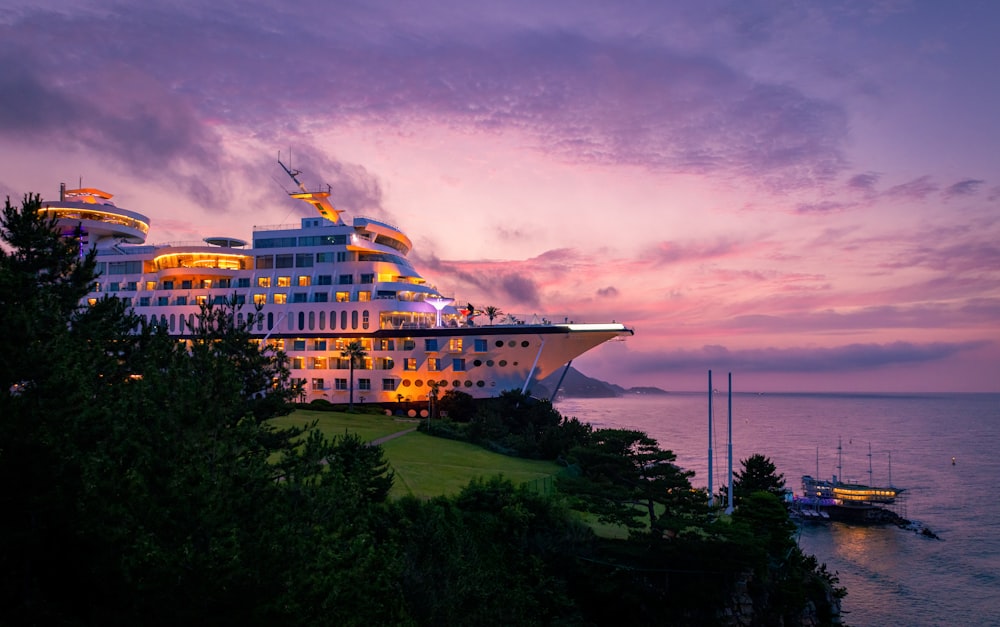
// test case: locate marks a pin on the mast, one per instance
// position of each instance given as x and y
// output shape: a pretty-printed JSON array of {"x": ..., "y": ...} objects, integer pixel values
[
  {"x": 729, "y": 490},
  {"x": 319, "y": 200},
  {"x": 840, "y": 462},
  {"x": 711, "y": 497},
  {"x": 870, "y": 480}
]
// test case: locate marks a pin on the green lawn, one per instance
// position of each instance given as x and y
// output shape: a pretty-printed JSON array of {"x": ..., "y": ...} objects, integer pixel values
[
  {"x": 331, "y": 423},
  {"x": 426, "y": 466}
]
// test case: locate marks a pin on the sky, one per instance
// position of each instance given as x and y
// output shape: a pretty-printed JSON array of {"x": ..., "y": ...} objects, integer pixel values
[{"x": 805, "y": 194}]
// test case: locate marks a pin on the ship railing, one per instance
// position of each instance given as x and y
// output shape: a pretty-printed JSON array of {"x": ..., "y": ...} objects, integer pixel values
[{"x": 277, "y": 227}]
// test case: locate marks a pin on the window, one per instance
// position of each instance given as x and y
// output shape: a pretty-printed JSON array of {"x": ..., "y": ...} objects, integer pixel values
[
  {"x": 206, "y": 284},
  {"x": 243, "y": 282},
  {"x": 388, "y": 385},
  {"x": 343, "y": 297},
  {"x": 431, "y": 345},
  {"x": 433, "y": 364},
  {"x": 168, "y": 285},
  {"x": 341, "y": 256},
  {"x": 274, "y": 242},
  {"x": 368, "y": 277},
  {"x": 385, "y": 345},
  {"x": 124, "y": 267},
  {"x": 162, "y": 301},
  {"x": 324, "y": 257},
  {"x": 260, "y": 299},
  {"x": 284, "y": 261},
  {"x": 324, "y": 279},
  {"x": 410, "y": 363},
  {"x": 409, "y": 345},
  {"x": 321, "y": 297},
  {"x": 455, "y": 345},
  {"x": 263, "y": 281},
  {"x": 265, "y": 262},
  {"x": 345, "y": 279},
  {"x": 144, "y": 301},
  {"x": 458, "y": 365},
  {"x": 298, "y": 363},
  {"x": 341, "y": 384},
  {"x": 304, "y": 280},
  {"x": 241, "y": 299},
  {"x": 284, "y": 281},
  {"x": 186, "y": 285},
  {"x": 364, "y": 319},
  {"x": 364, "y": 296},
  {"x": 300, "y": 297},
  {"x": 318, "y": 363},
  {"x": 299, "y": 345},
  {"x": 354, "y": 319},
  {"x": 131, "y": 286},
  {"x": 113, "y": 287},
  {"x": 182, "y": 300},
  {"x": 319, "y": 345},
  {"x": 303, "y": 260},
  {"x": 317, "y": 384},
  {"x": 280, "y": 299},
  {"x": 364, "y": 384}
]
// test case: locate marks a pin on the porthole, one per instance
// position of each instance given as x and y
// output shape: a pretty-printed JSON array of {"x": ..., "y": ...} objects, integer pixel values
[
  {"x": 468, "y": 384},
  {"x": 443, "y": 383},
  {"x": 512, "y": 343},
  {"x": 456, "y": 383},
  {"x": 489, "y": 363},
  {"x": 480, "y": 383},
  {"x": 514, "y": 364},
  {"x": 499, "y": 343},
  {"x": 406, "y": 383},
  {"x": 525, "y": 343},
  {"x": 478, "y": 362},
  {"x": 503, "y": 362},
  {"x": 419, "y": 383}
]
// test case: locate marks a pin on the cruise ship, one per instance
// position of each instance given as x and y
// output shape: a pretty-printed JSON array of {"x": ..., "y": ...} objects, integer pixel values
[{"x": 314, "y": 288}]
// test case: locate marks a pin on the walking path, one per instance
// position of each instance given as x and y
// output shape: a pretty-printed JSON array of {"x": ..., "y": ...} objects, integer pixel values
[{"x": 391, "y": 436}]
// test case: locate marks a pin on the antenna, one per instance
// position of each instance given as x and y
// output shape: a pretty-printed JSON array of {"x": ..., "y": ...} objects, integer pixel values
[{"x": 711, "y": 498}]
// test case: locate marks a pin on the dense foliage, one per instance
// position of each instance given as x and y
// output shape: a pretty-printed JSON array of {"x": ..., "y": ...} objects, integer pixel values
[{"x": 144, "y": 484}]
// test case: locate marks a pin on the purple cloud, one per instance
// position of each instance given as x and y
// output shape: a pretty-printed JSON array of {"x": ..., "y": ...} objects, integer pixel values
[
  {"x": 917, "y": 189},
  {"x": 847, "y": 358},
  {"x": 967, "y": 187}
]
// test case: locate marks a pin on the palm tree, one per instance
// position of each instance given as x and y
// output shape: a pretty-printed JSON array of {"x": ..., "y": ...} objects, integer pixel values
[
  {"x": 492, "y": 312},
  {"x": 354, "y": 350}
]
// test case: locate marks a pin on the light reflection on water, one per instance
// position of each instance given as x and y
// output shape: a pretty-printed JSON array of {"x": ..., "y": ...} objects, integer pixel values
[{"x": 893, "y": 576}]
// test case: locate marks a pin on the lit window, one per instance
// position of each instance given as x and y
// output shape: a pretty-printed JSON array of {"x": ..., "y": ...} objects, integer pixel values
[
  {"x": 433, "y": 364},
  {"x": 410, "y": 363},
  {"x": 455, "y": 345},
  {"x": 317, "y": 384},
  {"x": 284, "y": 281},
  {"x": 263, "y": 281},
  {"x": 260, "y": 299},
  {"x": 280, "y": 299},
  {"x": 305, "y": 281}
]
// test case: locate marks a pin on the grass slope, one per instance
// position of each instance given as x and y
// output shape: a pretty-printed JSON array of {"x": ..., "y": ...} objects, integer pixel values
[{"x": 426, "y": 466}]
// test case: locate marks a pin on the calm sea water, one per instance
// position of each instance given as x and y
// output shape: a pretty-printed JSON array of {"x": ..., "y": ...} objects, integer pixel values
[{"x": 893, "y": 576}]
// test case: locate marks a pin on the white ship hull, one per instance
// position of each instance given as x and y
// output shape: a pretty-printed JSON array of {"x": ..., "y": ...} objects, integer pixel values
[{"x": 316, "y": 287}]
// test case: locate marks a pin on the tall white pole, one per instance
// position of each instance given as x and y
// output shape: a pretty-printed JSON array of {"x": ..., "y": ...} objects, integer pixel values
[
  {"x": 711, "y": 496},
  {"x": 729, "y": 490}
]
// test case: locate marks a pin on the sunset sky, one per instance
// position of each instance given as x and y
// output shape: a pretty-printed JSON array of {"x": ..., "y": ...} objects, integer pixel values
[{"x": 804, "y": 193}]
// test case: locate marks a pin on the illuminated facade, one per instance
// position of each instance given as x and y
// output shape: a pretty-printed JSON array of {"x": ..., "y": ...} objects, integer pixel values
[{"x": 313, "y": 288}]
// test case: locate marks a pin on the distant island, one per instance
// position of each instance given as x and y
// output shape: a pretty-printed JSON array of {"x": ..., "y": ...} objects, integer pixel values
[{"x": 578, "y": 385}]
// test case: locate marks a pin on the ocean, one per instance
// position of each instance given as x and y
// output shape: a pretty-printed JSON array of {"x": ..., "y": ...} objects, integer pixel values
[{"x": 893, "y": 576}]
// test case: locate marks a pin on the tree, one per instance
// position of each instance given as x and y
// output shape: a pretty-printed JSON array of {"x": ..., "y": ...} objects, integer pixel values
[
  {"x": 144, "y": 469},
  {"x": 758, "y": 474},
  {"x": 492, "y": 312},
  {"x": 353, "y": 351},
  {"x": 624, "y": 476}
]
